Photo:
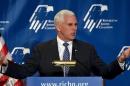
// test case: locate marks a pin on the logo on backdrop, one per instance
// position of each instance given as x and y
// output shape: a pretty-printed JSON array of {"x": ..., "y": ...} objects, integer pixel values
[
  {"x": 3, "y": 24},
  {"x": 18, "y": 54},
  {"x": 40, "y": 19},
  {"x": 127, "y": 63},
  {"x": 93, "y": 18}
]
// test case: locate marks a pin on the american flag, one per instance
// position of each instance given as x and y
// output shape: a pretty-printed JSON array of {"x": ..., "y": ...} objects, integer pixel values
[{"x": 5, "y": 55}]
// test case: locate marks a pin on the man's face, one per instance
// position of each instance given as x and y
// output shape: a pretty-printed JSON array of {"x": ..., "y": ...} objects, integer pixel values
[{"x": 67, "y": 28}]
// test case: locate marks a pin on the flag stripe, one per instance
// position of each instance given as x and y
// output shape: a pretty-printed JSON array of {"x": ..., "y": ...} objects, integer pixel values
[
  {"x": 3, "y": 52},
  {"x": 3, "y": 80},
  {"x": 1, "y": 42},
  {"x": 19, "y": 83}
]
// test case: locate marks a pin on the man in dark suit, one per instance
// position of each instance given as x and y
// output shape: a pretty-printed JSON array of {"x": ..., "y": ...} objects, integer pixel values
[{"x": 66, "y": 47}]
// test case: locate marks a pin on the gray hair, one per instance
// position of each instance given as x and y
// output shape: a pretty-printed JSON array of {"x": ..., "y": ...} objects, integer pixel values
[{"x": 60, "y": 15}]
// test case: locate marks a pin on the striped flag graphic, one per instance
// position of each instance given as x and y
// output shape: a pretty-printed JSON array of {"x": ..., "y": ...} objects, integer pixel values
[{"x": 5, "y": 55}]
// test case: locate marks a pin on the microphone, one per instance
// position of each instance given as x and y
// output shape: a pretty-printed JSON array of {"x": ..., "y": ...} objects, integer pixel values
[
  {"x": 64, "y": 63},
  {"x": 68, "y": 63}
]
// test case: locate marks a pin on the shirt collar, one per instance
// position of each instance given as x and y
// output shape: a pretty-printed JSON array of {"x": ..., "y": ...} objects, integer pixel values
[{"x": 60, "y": 41}]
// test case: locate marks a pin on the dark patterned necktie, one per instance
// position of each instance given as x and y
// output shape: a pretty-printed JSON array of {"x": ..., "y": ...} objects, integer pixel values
[{"x": 66, "y": 57}]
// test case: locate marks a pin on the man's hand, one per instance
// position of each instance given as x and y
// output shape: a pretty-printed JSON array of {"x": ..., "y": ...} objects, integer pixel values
[{"x": 125, "y": 54}]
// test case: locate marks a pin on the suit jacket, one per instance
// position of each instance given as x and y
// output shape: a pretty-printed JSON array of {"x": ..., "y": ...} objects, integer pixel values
[{"x": 88, "y": 62}]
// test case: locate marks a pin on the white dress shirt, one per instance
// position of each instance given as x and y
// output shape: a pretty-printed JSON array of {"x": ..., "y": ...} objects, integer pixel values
[{"x": 61, "y": 48}]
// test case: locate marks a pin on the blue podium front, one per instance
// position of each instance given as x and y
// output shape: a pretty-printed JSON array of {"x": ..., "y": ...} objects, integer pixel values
[{"x": 64, "y": 81}]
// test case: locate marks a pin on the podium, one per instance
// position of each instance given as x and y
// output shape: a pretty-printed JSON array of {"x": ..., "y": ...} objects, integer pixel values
[{"x": 64, "y": 81}]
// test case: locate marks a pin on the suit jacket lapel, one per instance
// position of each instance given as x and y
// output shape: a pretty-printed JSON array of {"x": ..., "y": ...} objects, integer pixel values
[
  {"x": 54, "y": 50},
  {"x": 75, "y": 49}
]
